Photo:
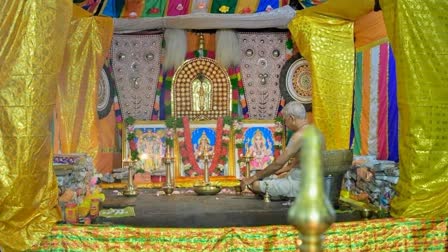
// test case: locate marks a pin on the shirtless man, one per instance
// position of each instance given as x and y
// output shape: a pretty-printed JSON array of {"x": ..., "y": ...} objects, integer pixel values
[{"x": 294, "y": 116}]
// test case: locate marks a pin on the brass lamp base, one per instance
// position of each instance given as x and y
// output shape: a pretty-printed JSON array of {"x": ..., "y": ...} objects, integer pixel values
[
  {"x": 247, "y": 190},
  {"x": 130, "y": 191},
  {"x": 168, "y": 190}
]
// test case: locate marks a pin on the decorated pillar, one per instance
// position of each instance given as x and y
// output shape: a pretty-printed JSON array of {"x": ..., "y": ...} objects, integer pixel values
[
  {"x": 32, "y": 41},
  {"x": 418, "y": 37},
  {"x": 327, "y": 43}
]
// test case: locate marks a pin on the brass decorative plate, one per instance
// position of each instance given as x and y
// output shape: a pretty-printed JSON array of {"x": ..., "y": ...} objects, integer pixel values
[
  {"x": 201, "y": 90},
  {"x": 296, "y": 82},
  {"x": 106, "y": 91}
]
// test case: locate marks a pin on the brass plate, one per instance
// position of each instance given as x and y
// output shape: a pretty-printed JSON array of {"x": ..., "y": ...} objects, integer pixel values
[{"x": 296, "y": 82}]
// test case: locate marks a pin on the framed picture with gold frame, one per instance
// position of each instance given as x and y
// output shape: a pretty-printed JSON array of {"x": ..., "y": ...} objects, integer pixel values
[
  {"x": 261, "y": 140},
  {"x": 198, "y": 139},
  {"x": 149, "y": 139}
]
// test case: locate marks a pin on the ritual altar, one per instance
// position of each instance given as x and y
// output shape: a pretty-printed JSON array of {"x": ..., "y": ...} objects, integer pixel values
[{"x": 185, "y": 209}]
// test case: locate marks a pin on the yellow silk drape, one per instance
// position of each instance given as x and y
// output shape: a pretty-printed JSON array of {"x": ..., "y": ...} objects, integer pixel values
[
  {"x": 87, "y": 47},
  {"x": 32, "y": 40},
  {"x": 327, "y": 43},
  {"x": 342, "y": 9},
  {"x": 418, "y": 33}
]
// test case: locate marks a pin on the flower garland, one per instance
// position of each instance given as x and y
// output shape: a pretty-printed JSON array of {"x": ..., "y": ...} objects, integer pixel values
[
  {"x": 171, "y": 124},
  {"x": 188, "y": 146},
  {"x": 279, "y": 132},
  {"x": 131, "y": 138},
  {"x": 219, "y": 159}
]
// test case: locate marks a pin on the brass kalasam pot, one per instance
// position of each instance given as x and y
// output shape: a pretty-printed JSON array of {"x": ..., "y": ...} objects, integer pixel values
[{"x": 208, "y": 189}]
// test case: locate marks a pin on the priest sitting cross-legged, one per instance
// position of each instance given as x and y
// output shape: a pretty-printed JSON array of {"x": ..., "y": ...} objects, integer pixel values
[{"x": 294, "y": 116}]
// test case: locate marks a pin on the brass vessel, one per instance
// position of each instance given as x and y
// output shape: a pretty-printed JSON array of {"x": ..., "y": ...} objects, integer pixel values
[{"x": 207, "y": 189}]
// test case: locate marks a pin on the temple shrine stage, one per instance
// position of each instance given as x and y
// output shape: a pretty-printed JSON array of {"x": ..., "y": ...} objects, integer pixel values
[{"x": 155, "y": 209}]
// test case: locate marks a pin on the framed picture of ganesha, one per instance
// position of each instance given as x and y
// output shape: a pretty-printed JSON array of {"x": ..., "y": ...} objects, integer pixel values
[
  {"x": 147, "y": 140},
  {"x": 204, "y": 145},
  {"x": 260, "y": 141}
]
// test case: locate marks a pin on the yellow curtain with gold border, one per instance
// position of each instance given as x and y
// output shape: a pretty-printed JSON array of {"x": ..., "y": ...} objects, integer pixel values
[
  {"x": 418, "y": 34},
  {"x": 87, "y": 47},
  {"x": 327, "y": 44},
  {"x": 32, "y": 40}
]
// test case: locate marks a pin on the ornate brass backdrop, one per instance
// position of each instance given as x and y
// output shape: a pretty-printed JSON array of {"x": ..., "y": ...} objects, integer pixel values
[
  {"x": 136, "y": 63},
  {"x": 262, "y": 56}
]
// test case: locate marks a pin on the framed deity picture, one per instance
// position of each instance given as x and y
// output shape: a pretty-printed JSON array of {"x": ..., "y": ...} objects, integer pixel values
[
  {"x": 257, "y": 144},
  {"x": 204, "y": 145},
  {"x": 147, "y": 140}
]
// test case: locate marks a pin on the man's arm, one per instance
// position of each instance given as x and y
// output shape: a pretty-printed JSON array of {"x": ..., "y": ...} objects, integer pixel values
[
  {"x": 288, "y": 166},
  {"x": 278, "y": 163}
]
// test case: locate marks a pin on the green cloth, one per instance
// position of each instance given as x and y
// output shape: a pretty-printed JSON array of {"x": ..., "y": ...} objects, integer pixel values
[
  {"x": 117, "y": 213},
  {"x": 228, "y": 6},
  {"x": 154, "y": 8}
]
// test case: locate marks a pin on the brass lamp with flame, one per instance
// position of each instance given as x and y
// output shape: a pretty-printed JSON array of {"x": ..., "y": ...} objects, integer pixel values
[
  {"x": 206, "y": 188},
  {"x": 312, "y": 212}
]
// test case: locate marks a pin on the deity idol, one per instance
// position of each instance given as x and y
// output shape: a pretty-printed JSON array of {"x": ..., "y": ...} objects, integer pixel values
[
  {"x": 203, "y": 148},
  {"x": 152, "y": 147},
  {"x": 260, "y": 150},
  {"x": 201, "y": 91}
]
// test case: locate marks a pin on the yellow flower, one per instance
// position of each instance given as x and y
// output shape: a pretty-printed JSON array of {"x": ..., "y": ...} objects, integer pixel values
[{"x": 224, "y": 9}]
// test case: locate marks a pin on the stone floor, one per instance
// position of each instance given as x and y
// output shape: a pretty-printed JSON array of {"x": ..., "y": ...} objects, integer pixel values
[{"x": 155, "y": 209}]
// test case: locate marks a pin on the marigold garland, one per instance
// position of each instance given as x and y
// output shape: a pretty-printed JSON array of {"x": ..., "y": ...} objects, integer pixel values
[{"x": 219, "y": 159}]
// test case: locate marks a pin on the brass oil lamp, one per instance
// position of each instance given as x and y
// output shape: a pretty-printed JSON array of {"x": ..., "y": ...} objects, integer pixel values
[
  {"x": 206, "y": 188},
  {"x": 246, "y": 158},
  {"x": 168, "y": 160},
  {"x": 130, "y": 189}
]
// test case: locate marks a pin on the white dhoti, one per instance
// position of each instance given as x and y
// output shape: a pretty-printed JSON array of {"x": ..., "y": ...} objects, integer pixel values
[{"x": 283, "y": 187}]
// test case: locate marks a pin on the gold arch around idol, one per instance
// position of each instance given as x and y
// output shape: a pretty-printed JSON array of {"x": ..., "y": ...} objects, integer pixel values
[{"x": 201, "y": 90}]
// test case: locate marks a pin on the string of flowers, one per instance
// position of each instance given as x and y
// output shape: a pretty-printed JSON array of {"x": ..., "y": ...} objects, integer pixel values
[
  {"x": 278, "y": 133},
  {"x": 131, "y": 138},
  {"x": 237, "y": 125},
  {"x": 223, "y": 160},
  {"x": 171, "y": 124},
  {"x": 219, "y": 159}
]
